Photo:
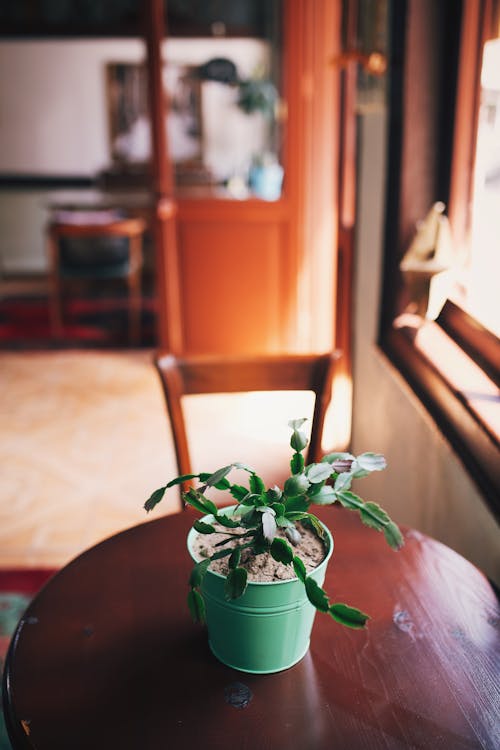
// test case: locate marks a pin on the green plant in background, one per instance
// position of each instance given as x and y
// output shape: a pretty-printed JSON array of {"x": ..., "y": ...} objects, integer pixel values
[
  {"x": 257, "y": 95},
  {"x": 260, "y": 512}
]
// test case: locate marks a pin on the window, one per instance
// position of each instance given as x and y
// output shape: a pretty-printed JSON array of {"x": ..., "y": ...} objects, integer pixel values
[
  {"x": 477, "y": 287},
  {"x": 444, "y": 120}
]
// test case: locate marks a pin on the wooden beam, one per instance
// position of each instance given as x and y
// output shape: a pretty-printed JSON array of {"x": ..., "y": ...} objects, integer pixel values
[{"x": 164, "y": 205}]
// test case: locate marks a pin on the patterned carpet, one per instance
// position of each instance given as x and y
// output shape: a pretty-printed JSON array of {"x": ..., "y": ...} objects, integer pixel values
[
  {"x": 88, "y": 323},
  {"x": 83, "y": 439}
]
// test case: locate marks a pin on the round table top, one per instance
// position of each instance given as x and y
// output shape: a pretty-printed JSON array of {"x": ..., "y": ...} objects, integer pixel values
[{"x": 106, "y": 656}]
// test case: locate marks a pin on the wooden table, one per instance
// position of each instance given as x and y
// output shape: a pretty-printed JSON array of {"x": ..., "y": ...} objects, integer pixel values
[{"x": 106, "y": 655}]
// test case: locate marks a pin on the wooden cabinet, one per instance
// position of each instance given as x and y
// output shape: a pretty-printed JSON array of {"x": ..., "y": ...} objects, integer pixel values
[
  {"x": 236, "y": 274},
  {"x": 251, "y": 275}
]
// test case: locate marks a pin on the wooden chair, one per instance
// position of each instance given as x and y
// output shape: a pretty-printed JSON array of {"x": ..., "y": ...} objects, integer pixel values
[
  {"x": 108, "y": 261},
  {"x": 220, "y": 374}
]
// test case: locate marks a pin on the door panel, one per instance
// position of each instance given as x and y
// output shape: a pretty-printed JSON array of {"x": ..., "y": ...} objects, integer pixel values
[{"x": 236, "y": 288}]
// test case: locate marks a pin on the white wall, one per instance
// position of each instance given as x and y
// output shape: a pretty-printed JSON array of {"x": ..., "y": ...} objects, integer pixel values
[
  {"x": 425, "y": 485},
  {"x": 53, "y": 108},
  {"x": 23, "y": 216},
  {"x": 54, "y": 121},
  {"x": 53, "y": 115}
]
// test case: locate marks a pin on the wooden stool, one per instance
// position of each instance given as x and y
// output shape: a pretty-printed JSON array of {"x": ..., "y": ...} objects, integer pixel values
[{"x": 128, "y": 266}]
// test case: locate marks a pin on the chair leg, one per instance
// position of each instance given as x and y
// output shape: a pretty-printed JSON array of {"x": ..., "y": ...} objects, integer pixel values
[
  {"x": 55, "y": 307},
  {"x": 135, "y": 298}
]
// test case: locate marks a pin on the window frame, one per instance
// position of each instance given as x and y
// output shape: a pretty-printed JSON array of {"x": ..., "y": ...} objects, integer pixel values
[{"x": 432, "y": 92}]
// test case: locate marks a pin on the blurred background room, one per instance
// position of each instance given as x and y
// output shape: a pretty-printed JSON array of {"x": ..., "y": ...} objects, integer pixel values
[{"x": 245, "y": 177}]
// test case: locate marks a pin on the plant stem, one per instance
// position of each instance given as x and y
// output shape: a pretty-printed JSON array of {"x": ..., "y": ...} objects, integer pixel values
[{"x": 230, "y": 536}]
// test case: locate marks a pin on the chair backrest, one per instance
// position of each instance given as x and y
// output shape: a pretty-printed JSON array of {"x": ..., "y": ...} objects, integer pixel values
[
  {"x": 124, "y": 227},
  {"x": 98, "y": 246},
  {"x": 181, "y": 376}
]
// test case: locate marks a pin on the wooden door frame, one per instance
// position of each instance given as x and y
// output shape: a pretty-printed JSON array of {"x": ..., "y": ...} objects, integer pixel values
[
  {"x": 164, "y": 208},
  {"x": 314, "y": 173},
  {"x": 320, "y": 157},
  {"x": 312, "y": 40}
]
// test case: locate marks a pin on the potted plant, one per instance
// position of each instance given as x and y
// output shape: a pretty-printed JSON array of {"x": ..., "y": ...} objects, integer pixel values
[
  {"x": 259, "y": 564},
  {"x": 265, "y": 176}
]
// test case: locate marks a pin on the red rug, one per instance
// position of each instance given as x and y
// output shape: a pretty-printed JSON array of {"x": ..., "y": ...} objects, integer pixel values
[
  {"x": 24, "y": 580},
  {"x": 95, "y": 323}
]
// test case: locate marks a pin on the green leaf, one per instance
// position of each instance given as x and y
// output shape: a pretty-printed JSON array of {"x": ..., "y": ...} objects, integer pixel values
[
  {"x": 180, "y": 480},
  {"x": 203, "y": 528},
  {"x": 374, "y": 516},
  {"x": 350, "y": 500},
  {"x": 349, "y": 616},
  {"x": 298, "y": 504},
  {"x": 299, "y": 440},
  {"x": 240, "y": 510},
  {"x": 278, "y": 508},
  {"x": 268, "y": 524},
  {"x": 325, "y": 496},
  {"x": 317, "y": 525},
  {"x": 235, "y": 583},
  {"x": 371, "y": 513},
  {"x": 200, "y": 502},
  {"x": 274, "y": 494},
  {"x": 318, "y": 472},
  {"x": 296, "y": 515},
  {"x": 343, "y": 481},
  {"x": 293, "y": 535},
  {"x": 250, "y": 499},
  {"x": 245, "y": 467},
  {"x": 393, "y": 535},
  {"x": 234, "y": 559},
  {"x": 368, "y": 462},
  {"x": 249, "y": 518},
  {"x": 155, "y": 498},
  {"x": 296, "y": 424},
  {"x": 281, "y": 551},
  {"x": 331, "y": 457},
  {"x": 222, "y": 553},
  {"x": 283, "y": 523},
  {"x": 297, "y": 484},
  {"x": 238, "y": 492},
  {"x": 316, "y": 595},
  {"x": 227, "y": 522},
  {"x": 198, "y": 573},
  {"x": 299, "y": 568},
  {"x": 259, "y": 501},
  {"x": 315, "y": 489},
  {"x": 257, "y": 486},
  {"x": 297, "y": 463},
  {"x": 206, "y": 476},
  {"x": 213, "y": 479},
  {"x": 196, "y": 606}
]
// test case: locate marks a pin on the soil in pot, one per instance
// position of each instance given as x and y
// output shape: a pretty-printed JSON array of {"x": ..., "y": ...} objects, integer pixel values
[{"x": 262, "y": 567}]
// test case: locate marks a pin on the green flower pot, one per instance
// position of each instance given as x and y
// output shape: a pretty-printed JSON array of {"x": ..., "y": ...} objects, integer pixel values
[{"x": 268, "y": 629}]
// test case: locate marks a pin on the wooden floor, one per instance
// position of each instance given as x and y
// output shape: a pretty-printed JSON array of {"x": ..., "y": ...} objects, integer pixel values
[{"x": 84, "y": 440}]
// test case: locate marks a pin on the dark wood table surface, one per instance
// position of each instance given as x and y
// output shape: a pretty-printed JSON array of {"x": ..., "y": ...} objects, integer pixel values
[{"x": 106, "y": 655}]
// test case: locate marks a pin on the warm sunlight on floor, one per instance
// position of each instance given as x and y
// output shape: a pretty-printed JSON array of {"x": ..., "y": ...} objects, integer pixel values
[{"x": 84, "y": 440}]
